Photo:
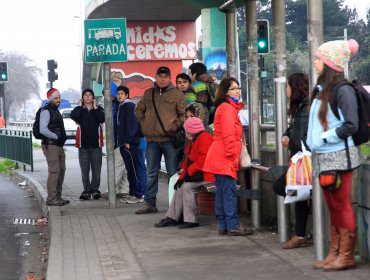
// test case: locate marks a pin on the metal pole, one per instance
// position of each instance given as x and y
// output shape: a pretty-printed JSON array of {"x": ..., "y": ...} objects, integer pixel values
[
  {"x": 109, "y": 136},
  {"x": 346, "y": 66},
  {"x": 254, "y": 108},
  {"x": 278, "y": 10},
  {"x": 231, "y": 40},
  {"x": 315, "y": 38}
]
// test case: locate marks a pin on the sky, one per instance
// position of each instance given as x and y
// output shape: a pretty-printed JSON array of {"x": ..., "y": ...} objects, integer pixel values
[{"x": 51, "y": 29}]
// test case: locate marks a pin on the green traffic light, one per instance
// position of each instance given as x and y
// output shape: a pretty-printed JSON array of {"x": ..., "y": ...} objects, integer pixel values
[
  {"x": 3, "y": 76},
  {"x": 262, "y": 44}
]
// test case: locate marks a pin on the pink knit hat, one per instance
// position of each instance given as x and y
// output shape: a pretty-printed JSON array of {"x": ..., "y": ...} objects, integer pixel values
[
  {"x": 193, "y": 125},
  {"x": 335, "y": 54},
  {"x": 52, "y": 93}
]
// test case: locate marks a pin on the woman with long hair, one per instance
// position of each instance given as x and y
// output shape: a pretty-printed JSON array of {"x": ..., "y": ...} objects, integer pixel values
[
  {"x": 330, "y": 138},
  {"x": 224, "y": 155},
  {"x": 297, "y": 94}
]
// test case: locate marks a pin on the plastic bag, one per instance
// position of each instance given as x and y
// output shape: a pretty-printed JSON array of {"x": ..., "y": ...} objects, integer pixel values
[
  {"x": 171, "y": 184},
  {"x": 299, "y": 177}
]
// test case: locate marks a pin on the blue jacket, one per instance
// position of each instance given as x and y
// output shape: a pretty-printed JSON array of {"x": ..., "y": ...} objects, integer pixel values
[
  {"x": 128, "y": 130},
  {"x": 332, "y": 140}
]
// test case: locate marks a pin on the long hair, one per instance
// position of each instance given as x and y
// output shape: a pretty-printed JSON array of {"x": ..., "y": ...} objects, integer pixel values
[
  {"x": 298, "y": 83},
  {"x": 328, "y": 79},
  {"x": 222, "y": 89}
]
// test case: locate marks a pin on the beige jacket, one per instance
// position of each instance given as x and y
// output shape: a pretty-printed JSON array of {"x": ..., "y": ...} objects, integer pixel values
[{"x": 170, "y": 103}]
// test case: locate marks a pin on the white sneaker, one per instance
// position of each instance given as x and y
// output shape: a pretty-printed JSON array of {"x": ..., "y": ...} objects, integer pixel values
[{"x": 132, "y": 200}]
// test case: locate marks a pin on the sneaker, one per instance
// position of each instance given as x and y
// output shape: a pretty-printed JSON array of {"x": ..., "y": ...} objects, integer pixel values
[
  {"x": 96, "y": 194},
  {"x": 146, "y": 209},
  {"x": 65, "y": 201},
  {"x": 188, "y": 225},
  {"x": 241, "y": 231},
  {"x": 166, "y": 222},
  {"x": 121, "y": 195},
  {"x": 55, "y": 203},
  {"x": 222, "y": 231},
  {"x": 85, "y": 195},
  {"x": 295, "y": 242},
  {"x": 131, "y": 200}
]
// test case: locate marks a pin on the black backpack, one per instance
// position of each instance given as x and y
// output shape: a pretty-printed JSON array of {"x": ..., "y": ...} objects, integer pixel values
[
  {"x": 363, "y": 100},
  {"x": 36, "y": 125}
]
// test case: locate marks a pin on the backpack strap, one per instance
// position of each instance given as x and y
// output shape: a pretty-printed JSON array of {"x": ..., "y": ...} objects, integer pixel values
[{"x": 333, "y": 97}]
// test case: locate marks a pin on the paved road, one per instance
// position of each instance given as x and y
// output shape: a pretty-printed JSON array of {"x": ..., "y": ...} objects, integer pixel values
[{"x": 22, "y": 246}]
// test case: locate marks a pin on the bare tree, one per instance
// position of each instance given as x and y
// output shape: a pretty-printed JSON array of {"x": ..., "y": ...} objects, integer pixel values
[{"x": 23, "y": 81}]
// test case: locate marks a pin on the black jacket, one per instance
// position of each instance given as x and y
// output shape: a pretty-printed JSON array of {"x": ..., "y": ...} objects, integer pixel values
[
  {"x": 56, "y": 126},
  {"x": 297, "y": 131},
  {"x": 89, "y": 122}
]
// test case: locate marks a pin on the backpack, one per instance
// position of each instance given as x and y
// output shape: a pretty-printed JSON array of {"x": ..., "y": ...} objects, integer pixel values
[
  {"x": 36, "y": 125},
  {"x": 363, "y": 100},
  {"x": 212, "y": 89}
]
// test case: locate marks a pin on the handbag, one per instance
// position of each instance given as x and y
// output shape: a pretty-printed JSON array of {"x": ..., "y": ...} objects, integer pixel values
[
  {"x": 299, "y": 177},
  {"x": 177, "y": 138},
  {"x": 245, "y": 158},
  {"x": 329, "y": 180}
]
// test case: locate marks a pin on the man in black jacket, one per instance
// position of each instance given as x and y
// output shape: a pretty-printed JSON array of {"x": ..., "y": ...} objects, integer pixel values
[
  {"x": 89, "y": 141},
  {"x": 52, "y": 128}
]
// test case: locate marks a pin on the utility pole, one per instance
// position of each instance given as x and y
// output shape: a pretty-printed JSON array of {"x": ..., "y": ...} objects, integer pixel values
[
  {"x": 278, "y": 10},
  {"x": 109, "y": 136},
  {"x": 315, "y": 38},
  {"x": 254, "y": 108}
]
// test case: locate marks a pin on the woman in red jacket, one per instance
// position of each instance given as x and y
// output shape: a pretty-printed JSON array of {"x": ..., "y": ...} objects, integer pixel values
[
  {"x": 191, "y": 177},
  {"x": 224, "y": 154}
]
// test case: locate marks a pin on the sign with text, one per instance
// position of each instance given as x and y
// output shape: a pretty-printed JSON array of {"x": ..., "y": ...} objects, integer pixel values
[
  {"x": 161, "y": 41},
  {"x": 105, "y": 40}
]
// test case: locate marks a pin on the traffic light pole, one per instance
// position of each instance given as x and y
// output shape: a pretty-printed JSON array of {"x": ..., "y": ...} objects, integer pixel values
[
  {"x": 109, "y": 136},
  {"x": 278, "y": 10}
]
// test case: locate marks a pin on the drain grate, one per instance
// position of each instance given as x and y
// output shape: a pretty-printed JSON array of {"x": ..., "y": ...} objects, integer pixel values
[{"x": 21, "y": 221}]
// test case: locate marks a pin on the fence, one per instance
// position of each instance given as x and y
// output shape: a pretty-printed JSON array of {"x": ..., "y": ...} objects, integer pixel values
[{"x": 17, "y": 145}]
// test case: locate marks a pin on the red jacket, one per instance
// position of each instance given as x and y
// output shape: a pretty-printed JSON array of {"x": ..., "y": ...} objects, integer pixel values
[
  {"x": 196, "y": 152},
  {"x": 224, "y": 154}
]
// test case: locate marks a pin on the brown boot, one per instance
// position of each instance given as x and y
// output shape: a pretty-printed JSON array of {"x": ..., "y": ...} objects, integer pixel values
[
  {"x": 345, "y": 258},
  {"x": 333, "y": 250},
  {"x": 295, "y": 242}
]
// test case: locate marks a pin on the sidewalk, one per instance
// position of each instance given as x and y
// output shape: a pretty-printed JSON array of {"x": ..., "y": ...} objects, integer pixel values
[{"x": 90, "y": 240}]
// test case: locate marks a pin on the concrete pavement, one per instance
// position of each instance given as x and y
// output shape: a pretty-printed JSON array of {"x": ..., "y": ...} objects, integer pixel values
[{"x": 90, "y": 240}]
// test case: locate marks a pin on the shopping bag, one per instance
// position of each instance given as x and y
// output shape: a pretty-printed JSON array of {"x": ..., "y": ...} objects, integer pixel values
[
  {"x": 245, "y": 158},
  {"x": 299, "y": 177},
  {"x": 171, "y": 184}
]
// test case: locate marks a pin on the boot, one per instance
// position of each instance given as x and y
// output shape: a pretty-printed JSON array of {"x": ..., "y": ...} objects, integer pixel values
[
  {"x": 333, "y": 250},
  {"x": 345, "y": 258}
]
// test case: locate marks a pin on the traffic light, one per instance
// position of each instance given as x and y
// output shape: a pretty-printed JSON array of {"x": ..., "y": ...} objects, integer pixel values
[
  {"x": 52, "y": 75},
  {"x": 263, "y": 43},
  {"x": 4, "y": 72}
]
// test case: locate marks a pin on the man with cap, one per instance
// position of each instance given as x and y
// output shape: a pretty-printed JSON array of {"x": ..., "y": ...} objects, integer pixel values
[
  {"x": 52, "y": 128},
  {"x": 170, "y": 103},
  {"x": 89, "y": 141}
]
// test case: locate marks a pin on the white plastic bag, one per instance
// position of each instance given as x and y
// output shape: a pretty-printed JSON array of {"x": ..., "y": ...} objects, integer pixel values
[{"x": 171, "y": 184}]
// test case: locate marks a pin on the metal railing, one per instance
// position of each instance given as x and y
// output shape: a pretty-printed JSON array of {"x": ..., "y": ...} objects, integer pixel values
[{"x": 17, "y": 145}]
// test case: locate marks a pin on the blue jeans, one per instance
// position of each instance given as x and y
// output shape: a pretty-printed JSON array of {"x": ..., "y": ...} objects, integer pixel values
[
  {"x": 90, "y": 159},
  {"x": 226, "y": 212},
  {"x": 154, "y": 152},
  {"x": 141, "y": 173}
]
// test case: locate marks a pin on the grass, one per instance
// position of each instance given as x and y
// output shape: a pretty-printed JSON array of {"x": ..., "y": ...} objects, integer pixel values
[
  {"x": 7, "y": 166},
  {"x": 36, "y": 145},
  {"x": 365, "y": 150}
]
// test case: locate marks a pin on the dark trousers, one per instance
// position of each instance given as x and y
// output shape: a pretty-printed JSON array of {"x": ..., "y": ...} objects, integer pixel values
[
  {"x": 90, "y": 159},
  {"x": 301, "y": 207},
  {"x": 130, "y": 157}
]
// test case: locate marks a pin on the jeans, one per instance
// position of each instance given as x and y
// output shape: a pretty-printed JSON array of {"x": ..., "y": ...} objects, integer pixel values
[
  {"x": 154, "y": 152},
  {"x": 90, "y": 158},
  {"x": 226, "y": 202},
  {"x": 130, "y": 158},
  {"x": 141, "y": 172},
  {"x": 300, "y": 208}
]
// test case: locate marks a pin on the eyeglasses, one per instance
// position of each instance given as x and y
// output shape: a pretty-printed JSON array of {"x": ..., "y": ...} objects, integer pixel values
[{"x": 235, "y": 88}]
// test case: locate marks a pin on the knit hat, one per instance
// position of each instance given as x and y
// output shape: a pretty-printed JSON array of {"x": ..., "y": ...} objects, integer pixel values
[
  {"x": 193, "y": 125},
  {"x": 52, "y": 93},
  {"x": 88, "y": 90},
  {"x": 164, "y": 70},
  {"x": 335, "y": 54}
]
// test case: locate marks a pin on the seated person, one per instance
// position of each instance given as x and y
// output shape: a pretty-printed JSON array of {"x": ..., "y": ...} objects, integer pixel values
[{"x": 191, "y": 177}]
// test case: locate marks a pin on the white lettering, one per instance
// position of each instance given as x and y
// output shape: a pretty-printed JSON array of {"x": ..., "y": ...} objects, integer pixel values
[
  {"x": 140, "y": 52},
  {"x": 171, "y": 51},
  {"x": 192, "y": 49},
  {"x": 183, "y": 51},
  {"x": 130, "y": 35},
  {"x": 130, "y": 52},
  {"x": 158, "y": 51},
  {"x": 171, "y": 33},
  {"x": 148, "y": 37}
]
